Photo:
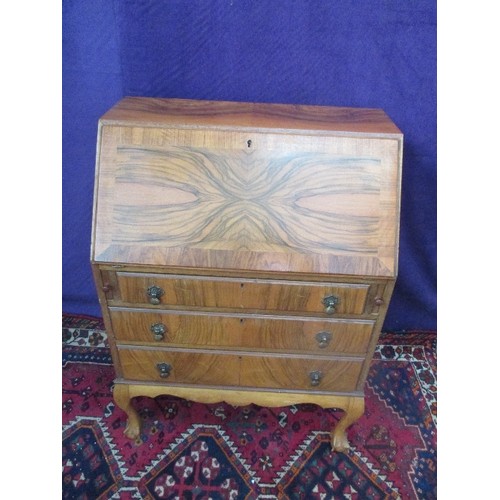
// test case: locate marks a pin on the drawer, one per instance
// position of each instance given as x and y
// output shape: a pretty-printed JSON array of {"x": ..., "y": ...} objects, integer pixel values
[
  {"x": 242, "y": 331},
  {"x": 233, "y": 293},
  {"x": 241, "y": 370}
]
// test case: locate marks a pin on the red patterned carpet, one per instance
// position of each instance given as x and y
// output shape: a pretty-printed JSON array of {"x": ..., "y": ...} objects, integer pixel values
[{"x": 196, "y": 451}]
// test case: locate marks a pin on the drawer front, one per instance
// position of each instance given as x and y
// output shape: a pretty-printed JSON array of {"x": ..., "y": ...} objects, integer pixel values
[
  {"x": 185, "y": 367},
  {"x": 266, "y": 295},
  {"x": 295, "y": 373},
  {"x": 243, "y": 370},
  {"x": 242, "y": 331}
]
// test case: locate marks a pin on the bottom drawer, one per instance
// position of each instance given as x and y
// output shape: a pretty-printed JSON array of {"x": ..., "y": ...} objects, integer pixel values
[{"x": 240, "y": 370}]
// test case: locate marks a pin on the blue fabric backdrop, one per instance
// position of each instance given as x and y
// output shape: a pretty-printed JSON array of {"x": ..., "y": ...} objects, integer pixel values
[{"x": 377, "y": 53}]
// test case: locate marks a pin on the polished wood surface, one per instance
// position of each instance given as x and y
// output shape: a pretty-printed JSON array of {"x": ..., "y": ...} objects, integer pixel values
[
  {"x": 256, "y": 294},
  {"x": 239, "y": 200},
  {"x": 190, "y": 197},
  {"x": 189, "y": 367},
  {"x": 243, "y": 331},
  {"x": 245, "y": 115},
  {"x": 295, "y": 373},
  {"x": 242, "y": 370}
]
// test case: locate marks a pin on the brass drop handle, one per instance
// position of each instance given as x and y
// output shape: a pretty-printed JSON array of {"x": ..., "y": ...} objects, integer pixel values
[
  {"x": 330, "y": 302},
  {"x": 164, "y": 369},
  {"x": 154, "y": 293},
  {"x": 315, "y": 377},
  {"x": 158, "y": 330},
  {"x": 323, "y": 339}
]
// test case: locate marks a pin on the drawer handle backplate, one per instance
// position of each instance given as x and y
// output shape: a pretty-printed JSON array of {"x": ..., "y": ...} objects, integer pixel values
[
  {"x": 330, "y": 302},
  {"x": 154, "y": 293},
  {"x": 315, "y": 377},
  {"x": 164, "y": 369},
  {"x": 158, "y": 330},
  {"x": 323, "y": 339}
]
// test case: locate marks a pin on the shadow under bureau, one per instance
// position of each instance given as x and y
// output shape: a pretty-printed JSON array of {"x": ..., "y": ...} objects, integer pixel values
[{"x": 245, "y": 252}]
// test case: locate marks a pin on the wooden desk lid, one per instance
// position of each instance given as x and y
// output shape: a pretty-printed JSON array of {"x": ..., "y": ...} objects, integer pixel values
[{"x": 252, "y": 187}]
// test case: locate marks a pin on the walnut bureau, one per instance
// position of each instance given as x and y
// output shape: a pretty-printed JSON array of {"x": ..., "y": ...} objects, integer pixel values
[{"x": 245, "y": 252}]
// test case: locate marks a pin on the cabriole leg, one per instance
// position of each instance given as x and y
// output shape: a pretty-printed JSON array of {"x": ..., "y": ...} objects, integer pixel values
[
  {"x": 354, "y": 409},
  {"x": 122, "y": 398}
]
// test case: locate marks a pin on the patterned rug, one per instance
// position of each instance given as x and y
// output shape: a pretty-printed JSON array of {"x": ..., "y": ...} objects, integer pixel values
[{"x": 199, "y": 451}]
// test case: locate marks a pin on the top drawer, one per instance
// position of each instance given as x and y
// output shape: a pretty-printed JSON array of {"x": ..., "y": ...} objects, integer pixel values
[{"x": 234, "y": 293}]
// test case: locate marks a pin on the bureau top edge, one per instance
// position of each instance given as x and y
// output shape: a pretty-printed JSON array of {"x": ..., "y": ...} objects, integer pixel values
[{"x": 246, "y": 116}]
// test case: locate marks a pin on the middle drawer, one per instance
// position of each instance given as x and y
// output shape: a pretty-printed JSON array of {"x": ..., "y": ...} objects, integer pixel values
[{"x": 241, "y": 331}]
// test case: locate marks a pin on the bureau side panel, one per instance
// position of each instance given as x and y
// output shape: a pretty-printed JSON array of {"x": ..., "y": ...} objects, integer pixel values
[
  {"x": 102, "y": 288},
  {"x": 380, "y": 317}
]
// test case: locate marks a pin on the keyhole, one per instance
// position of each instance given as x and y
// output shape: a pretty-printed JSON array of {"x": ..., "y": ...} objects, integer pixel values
[{"x": 249, "y": 143}]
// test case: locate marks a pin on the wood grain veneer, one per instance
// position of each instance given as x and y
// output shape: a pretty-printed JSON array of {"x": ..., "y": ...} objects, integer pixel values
[
  {"x": 239, "y": 331},
  {"x": 242, "y": 370},
  {"x": 290, "y": 204},
  {"x": 269, "y": 295},
  {"x": 186, "y": 113},
  {"x": 269, "y": 236}
]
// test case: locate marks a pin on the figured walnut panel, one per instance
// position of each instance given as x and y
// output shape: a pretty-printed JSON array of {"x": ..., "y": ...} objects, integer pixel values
[
  {"x": 269, "y": 295},
  {"x": 201, "y": 198},
  {"x": 188, "y": 367},
  {"x": 243, "y": 332},
  {"x": 293, "y": 373},
  {"x": 234, "y": 200}
]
